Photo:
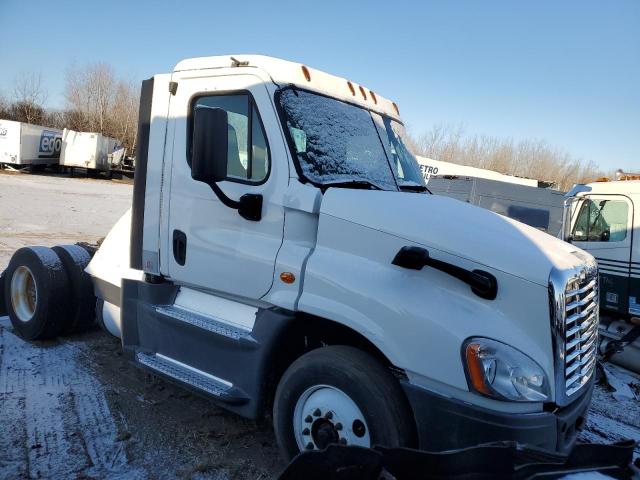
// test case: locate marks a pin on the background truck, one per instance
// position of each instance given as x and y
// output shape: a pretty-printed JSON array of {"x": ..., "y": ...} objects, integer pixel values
[
  {"x": 283, "y": 256},
  {"x": 23, "y": 144},
  {"x": 90, "y": 150},
  {"x": 541, "y": 208},
  {"x": 603, "y": 218}
]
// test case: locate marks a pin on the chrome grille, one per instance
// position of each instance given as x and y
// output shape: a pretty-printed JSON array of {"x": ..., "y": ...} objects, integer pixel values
[
  {"x": 574, "y": 296},
  {"x": 581, "y": 332}
]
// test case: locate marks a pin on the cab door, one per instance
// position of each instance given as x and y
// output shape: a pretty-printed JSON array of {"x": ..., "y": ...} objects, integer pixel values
[
  {"x": 209, "y": 245},
  {"x": 603, "y": 227}
]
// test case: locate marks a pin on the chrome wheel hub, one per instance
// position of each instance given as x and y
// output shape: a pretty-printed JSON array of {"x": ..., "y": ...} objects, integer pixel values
[
  {"x": 24, "y": 295},
  {"x": 324, "y": 415}
]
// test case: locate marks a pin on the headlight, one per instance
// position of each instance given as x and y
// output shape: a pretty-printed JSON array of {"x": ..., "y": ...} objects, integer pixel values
[{"x": 497, "y": 370}]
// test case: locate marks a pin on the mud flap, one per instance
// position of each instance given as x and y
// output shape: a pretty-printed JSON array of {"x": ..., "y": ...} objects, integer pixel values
[{"x": 504, "y": 460}]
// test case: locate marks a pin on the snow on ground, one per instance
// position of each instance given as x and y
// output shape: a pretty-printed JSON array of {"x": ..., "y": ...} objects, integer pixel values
[
  {"x": 613, "y": 417},
  {"x": 60, "y": 420},
  {"x": 52, "y": 210},
  {"x": 73, "y": 408}
]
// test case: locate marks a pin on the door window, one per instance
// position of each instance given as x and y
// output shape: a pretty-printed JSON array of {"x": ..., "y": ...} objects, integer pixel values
[
  {"x": 601, "y": 220},
  {"x": 248, "y": 151}
]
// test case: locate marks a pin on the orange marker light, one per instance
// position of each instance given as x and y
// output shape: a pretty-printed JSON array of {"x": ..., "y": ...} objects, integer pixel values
[
  {"x": 287, "y": 277},
  {"x": 364, "y": 95},
  {"x": 373, "y": 95},
  {"x": 474, "y": 366},
  {"x": 306, "y": 73},
  {"x": 353, "y": 90},
  {"x": 395, "y": 107}
]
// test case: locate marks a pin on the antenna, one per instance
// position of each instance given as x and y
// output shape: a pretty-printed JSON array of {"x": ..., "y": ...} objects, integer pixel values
[{"x": 237, "y": 63}]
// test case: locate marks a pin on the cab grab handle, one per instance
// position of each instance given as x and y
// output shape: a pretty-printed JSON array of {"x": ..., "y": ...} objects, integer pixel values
[{"x": 482, "y": 283}]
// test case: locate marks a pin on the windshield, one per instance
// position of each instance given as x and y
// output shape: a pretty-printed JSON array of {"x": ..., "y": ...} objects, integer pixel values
[
  {"x": 337, "y": 142},
  {"x": 595, "y": 220}
]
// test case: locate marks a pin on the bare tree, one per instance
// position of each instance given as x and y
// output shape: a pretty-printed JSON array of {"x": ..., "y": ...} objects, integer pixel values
[
  {"x": 4, "y": 108},
  {"x": 90, "y": 92},
  {"x": 123, "y": 116},
  {"x": 29, "y": 97},
  {"x": 527, "y": 158}
]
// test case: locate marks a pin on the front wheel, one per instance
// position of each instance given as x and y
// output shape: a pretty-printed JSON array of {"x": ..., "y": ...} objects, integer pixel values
[{"x": 341, "y": 395}]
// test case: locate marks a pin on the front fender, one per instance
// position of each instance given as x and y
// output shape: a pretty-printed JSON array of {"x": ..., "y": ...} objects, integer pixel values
[{"x": 418, "y": 318}]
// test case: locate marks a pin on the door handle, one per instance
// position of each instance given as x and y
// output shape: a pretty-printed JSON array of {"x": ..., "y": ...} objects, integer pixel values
[{"x": 179, "y": 247}]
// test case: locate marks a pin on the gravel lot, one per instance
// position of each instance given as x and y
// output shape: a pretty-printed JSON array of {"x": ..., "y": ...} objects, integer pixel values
[{"x": 72, "y": 408}]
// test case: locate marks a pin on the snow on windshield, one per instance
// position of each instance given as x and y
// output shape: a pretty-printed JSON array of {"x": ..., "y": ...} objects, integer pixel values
[{"x": 335, "y": 141}]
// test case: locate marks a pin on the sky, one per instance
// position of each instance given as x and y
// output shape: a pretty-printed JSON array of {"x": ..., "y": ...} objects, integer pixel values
[{"x": 566, "y": 72}]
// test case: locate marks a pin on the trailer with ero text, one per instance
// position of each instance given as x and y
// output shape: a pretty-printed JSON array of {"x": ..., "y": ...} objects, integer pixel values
[{"x": 23, "y": 144}]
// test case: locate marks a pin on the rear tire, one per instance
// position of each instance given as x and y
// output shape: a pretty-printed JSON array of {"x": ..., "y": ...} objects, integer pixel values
[
  {"x": 82, "y": 300},
  {"x": 340, "y": 394},
  {"x": 36, "y": 291}
]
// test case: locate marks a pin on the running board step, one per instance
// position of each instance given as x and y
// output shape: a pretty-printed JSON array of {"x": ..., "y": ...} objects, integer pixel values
[
  {"x": 211, "y": 324},
  {"x": 192, "y": 377}
]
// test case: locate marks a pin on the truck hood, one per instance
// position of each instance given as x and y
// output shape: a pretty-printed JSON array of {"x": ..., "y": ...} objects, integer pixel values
[{"x": 455, "y": 227}]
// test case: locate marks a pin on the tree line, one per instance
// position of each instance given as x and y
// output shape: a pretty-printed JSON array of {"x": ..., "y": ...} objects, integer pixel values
[
  {"x": 525, "y": 158},
  {"x": 96, "y": 100}
]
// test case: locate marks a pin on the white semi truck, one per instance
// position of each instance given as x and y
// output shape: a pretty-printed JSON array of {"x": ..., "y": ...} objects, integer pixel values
[
  {"x": 603, "y": 218},
  {"x": 23, "y": 144},
  {"x": 282, "y": 255}
]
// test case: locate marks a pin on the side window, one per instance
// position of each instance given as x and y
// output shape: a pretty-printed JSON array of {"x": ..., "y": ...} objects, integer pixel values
[
  {"x": 601, "y": 221},
  {"x": 248, "y": 152}
]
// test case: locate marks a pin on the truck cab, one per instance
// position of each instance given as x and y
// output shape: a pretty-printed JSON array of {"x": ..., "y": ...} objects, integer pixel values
[
  {"x": 284, "y": 257},
  {"x": 601, "y": 218}
]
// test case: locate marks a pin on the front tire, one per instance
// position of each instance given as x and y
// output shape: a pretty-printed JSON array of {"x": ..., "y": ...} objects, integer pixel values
[
  {"x": 36, "y": 291},
  {"x": 340, "y": 394}
]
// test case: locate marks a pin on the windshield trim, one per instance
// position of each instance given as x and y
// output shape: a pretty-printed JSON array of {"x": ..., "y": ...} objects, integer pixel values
[{"x": 291, "y": 145}]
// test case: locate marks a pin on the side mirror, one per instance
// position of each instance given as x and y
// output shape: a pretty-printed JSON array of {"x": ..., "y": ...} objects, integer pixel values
[{"x": 209, "y": 145}]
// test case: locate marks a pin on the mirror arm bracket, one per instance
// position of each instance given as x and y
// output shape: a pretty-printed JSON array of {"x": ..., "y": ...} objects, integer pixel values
[
  {"x": 482, "y": 283},
  {"x": 249, "y": 207},
  {"x": 223, "y": 197}
]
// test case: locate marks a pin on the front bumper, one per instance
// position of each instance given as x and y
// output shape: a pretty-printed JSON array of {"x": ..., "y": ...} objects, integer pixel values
[{"x": 445, "y": 423}]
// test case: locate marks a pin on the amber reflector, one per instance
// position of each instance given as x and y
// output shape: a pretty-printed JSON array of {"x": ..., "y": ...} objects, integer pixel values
[
  {"x": 364, "y": 95},
  {"x": 474, "y": 367},
  {"x": 353, "y": 90},
  {"x": 373, "y": 95},
  {"x": 287, "y": 277},
  {"x": 307, "y": 75}
]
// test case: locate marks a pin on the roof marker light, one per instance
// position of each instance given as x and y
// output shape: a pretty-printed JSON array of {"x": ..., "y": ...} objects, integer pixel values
[
  {"x": 395, "y": 107},
  {"x": 373, "y": 95},
  {"x": 307, "y": 75},
  {"x": 353, "y": 90},
  {"x": 364, "y": 94}
]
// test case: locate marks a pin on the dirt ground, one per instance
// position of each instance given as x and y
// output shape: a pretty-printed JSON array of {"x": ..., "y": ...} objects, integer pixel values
[{"x": 73, "y": 408}]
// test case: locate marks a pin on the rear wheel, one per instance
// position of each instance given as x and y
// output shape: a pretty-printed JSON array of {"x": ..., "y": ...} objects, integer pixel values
[
  {"x": 341, "y": 395},
  {"x": 36, "y": 291},
  {"x": 82, "y": 301}
]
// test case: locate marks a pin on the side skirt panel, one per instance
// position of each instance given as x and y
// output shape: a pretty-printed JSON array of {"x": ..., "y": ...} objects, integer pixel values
[{"x": 193, "y": 350}]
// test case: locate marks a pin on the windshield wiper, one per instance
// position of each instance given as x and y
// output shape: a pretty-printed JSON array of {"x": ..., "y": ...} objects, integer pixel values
[
  {"x": 411, "y": 187},
  {"x": 362, "y": 184}
]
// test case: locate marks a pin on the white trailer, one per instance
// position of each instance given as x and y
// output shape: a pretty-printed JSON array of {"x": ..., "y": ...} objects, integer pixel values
[
  {"x": 26, "y": 144},
  {"x": 88, "y": 150},
  {"x": 431, "y": 168}
]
